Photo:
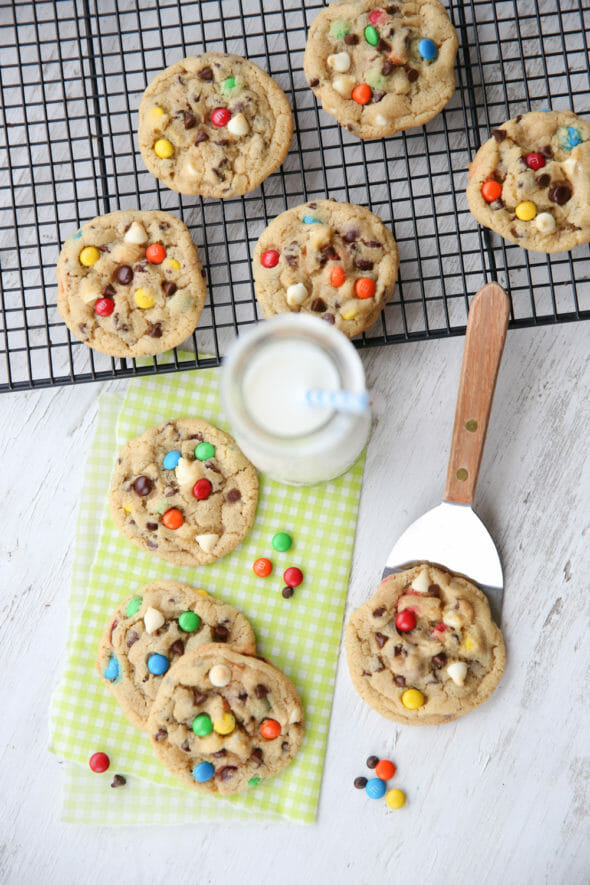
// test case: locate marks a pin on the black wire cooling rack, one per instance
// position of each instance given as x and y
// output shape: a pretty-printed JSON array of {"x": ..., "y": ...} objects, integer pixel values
[{"x": 72, "y": 75}]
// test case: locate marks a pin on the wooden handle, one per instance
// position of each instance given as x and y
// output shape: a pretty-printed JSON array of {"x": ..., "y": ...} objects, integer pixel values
[{"x": 484, "y": 342}]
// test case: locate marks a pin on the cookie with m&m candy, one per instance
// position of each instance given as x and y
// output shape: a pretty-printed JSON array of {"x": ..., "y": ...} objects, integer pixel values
[{"x": 381, "y": 68}]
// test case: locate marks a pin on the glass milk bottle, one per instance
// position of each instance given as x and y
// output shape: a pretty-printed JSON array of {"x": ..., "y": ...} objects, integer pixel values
[{"x": 293, "y": 391}]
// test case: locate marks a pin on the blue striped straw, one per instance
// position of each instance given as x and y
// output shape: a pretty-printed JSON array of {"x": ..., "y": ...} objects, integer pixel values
[{"x": 339, "y": 400}]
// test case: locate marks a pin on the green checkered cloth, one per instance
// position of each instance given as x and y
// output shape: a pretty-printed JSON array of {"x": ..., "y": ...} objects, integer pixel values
[{"x": 300, "y": 635}]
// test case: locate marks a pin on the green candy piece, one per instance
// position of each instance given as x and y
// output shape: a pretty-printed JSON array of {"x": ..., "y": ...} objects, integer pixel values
[
  {"x": 189, "y": 622},
  {"x": 204, "y": 451},
  {"x": 374, "y": 79},
  {"x": 339, "y": 28},
  {"x": 254, "y": 781},
  {"x": 229, "y": 83},
  {"x": 202, "y": 725},
  {"x": 371, "y": 35},
  {"x": 281, "y": 541},
  {"x": 133, "y": 606}
]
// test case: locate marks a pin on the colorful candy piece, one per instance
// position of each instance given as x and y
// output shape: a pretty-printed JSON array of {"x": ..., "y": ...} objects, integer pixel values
[
  {"x": 143, "y": 485},
  {"x": 287, "y": 592},
  {"x": 89, "y": 256},
  {"x": 99, "y": 762},
  {"x": 372, "y": 762},
  {"x": 228, "y": 84},
  {"x": 270, "y": 729},
  {"x": 225, "y": 725},
  {"x": 337, "y": 276},
  {"x": 133, "y": 605},
  {"x": 219, "y": 675},
  {"x": 203, "y": 772},
  {"x": 171, "y": 459},
  {"x": 293, "y": 576},
  {"x": 262, "y": 567},
  {"x": 362, "y": 93},
  {"x": 535, "y": 161},
  {"x": 163, "y": 149},
  {"x": 204, "y": 451},
  {"x": 376, "y": 16},
  {"x": 375, "y": 788},
  {"x": 104, "y": 306},
  {"x": 202, "y": 725},
  {"x": 155, "y": 253},
  {"x": 281, "y": 541},
  {"x": 254, "y": 781},
  {"x": 385, "y": 769},
  {"x": 270, "y": 258},
  {"x": 173, "y": 518},
  {"x": 365, "y": 288},
  {"x": 395, "y": 799},
  {"x": 172, "y": 264},
  {"x": 339, "y": 28},
  {"x": 491, "y": 190},
  {"x": 569, "y": 137},
  {"x": 189, "y": 622},
  {"x": 124, "y": 274},
  {"x": 77, "y": 235},
  {"x": 309, "y": 219},
  {"x": 412, "y": 699},
  {"x": 118, "y": 781},
  {"x": 158, "y": 664},
  {"x": 406, "y": 620},
  {"x": 144, "y": 298},
  {"x": 427, "y": 49},
  {"x": 220, "y": 117},
  {"x": 112, "y": 669},
  {"x": 371, "y": 35},
  {"x": 360, "y": 783},
  {"x": 202, "y": 489},
  {"x": 526, "y": 210}
]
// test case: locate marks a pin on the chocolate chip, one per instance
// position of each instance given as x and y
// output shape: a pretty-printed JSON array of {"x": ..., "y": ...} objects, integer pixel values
[
  {"x": 291, "y": 260},
  {"x": 220, "y": 754},
  {"x": 285, "y": 746},
  {"x": 560, "y": 193},
  {"x": 383, "y": 45},
  {"x": 261, "y": 690},
  {"x": 287, "y": 592},
  {"x": 220, "y": 633},
  {"x": 400, "y": 680},
  {"x": 143, "y": 485},
  {"x": 155, "y": 330},
  {"x": 124, "y": 274},
  {"x": 387, "y": 68},
  {"x": 220, "y": 175},
  {"x": 170, "y": 491},
  {"x": 211, "y": 466},
  {"x": 351, "y": 39},
  {"x": 226, "y": 772},
  {"x": 546, "y": 151},
  {"x": 132, "y": 637},
  {"x": 499, "y": 134},
  {"x": 433, "y": 590},
  {"x": 380, "y": 639},
  {"x": 329, "y": 318},
  {"x": 543, "y": 180},
  {"x": 363, "y": 264},
  {"x": 233, "y": 495},
  {"x": 351, "y": 235},
  {"x": 118, "y": 781},
  {"x": 243, "y": 696},
  {"x": 161, "y": 734},
  {"x": 169, "y": 288},
  {"x": 360, "y": 783},
  {"x": 108, "y": 291},
  {"x": 412, "y": 75},
  {"x": 189, "y": 119},
  {"x": 163, "y": 225},
  {"x": 185, "y": 746},
  {"x": 516, "y": 233},
  {"x": 151, "y": 526},
  {"x": 314, "y": 82},
  {"x": 399, "y": 650},
  {"x": 256, "y": 757},
  {"x": 373, "y": 244},
  {"x": 151, "y": 544},
  {"x": 223, "y": 142},
  {"x": 205, "y": 73},
  {"x": 140, "y": 268},
  {"x": 372, "y": 761},
  {"x": 177, "y": 648},
  {"x": 313, "y": 205},
  {"x": 82, "y": 327},
  {"x": 318, "y": 305},
  {"x": 198, "y": 436},
  {"x": 439, "y": 660},
  {"x": 198, "y": 697},
  {"x": 201, "y": 136},
  {"x": 377, "y": 97},
  {"x": 379, "y": 612},
  {"x": 392, "y": 9},
  {"x": 497, "y": 204}
]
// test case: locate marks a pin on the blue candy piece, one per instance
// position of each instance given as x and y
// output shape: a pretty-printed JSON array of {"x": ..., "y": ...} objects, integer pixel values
[
  {"x": 203, "y": 772},
  {"x": 158, "y": 664},
  {"x": 171, "y": 460},
  {"x": 309, "y": 219},
  {"x": 569, "y": 137},
  {"x": 375, "y": 788},
  {"x": 427, "y": 49},
  {"x": 112, "y": 669},
  {"x": 77, "y": 236}
]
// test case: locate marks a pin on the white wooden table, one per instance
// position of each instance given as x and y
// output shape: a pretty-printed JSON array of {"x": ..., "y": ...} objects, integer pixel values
[{"x": 501, "y": 796}]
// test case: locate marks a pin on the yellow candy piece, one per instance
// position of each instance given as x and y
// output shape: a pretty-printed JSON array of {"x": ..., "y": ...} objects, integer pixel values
[
  {"x": 163, "y": 149},
  {"x": 202, "y": 593},
  {"x": 412, "y": 699},
  {"x": 127, "y": 509},
  {"x": 156, "y": 112},
  {"x": 467, "y": 643},
  {"x": 395, "y": 798},
  {"x": 89, "y": 256},
  {"x": 172, "y": 263},
  {"x": 526, "y": 211},
  {"x": 350, "y": 315},
  {"x": 144, "y": 298},
  {"x": 225, "y": 725}
]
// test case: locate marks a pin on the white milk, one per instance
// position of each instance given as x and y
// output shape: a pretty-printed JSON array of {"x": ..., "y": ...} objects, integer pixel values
[{"x": 264, "y": 379}]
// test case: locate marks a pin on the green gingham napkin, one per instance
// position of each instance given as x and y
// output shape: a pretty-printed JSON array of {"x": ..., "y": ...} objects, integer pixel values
[{"x": 300, "y": 635}]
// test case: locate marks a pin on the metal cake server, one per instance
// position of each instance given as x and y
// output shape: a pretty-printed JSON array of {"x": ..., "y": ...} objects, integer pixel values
[{"x": 452, "y": 535}]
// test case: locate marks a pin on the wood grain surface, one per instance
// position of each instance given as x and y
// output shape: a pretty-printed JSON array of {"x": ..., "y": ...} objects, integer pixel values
[{"x": 500, "y": 796}]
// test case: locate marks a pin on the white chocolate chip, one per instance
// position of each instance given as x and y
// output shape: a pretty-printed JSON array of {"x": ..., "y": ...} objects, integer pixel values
[
  {"x": 136, "y": 234},
  {"x": 124, "y": 253},
  {"x": 188, "y": 472},
  {"x": 545, "y": 222},
  {"x": 457, "y": 671},
  {"x": 219, "y": 675},
  {"x": 380, "y": 120},
  {"x": 339, "y": 62},
  {"x": 570, "y": 166},
  {"x": 153, "y": 620},
  {"x": 296, "y": 295},
  {"x": 207, "y": 542},
  {"x": 238, "y": 125},
  {"x": 319, "y": 235},
  {"x": 344, "y": 86},
  {"x": 89, "y": 290},
  {"x": 421, "y": 582},
  {"x": 452, "y": 619}
]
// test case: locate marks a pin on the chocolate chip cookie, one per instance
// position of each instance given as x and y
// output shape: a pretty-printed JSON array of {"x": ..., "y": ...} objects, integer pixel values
[
  {"x": 215, "y": 125},
  {"x": 151, "y": 630},
  {"x": 382, "y": 68},
  {"x": 331, "y": 260},
  {"x": 184, "y": 491},
  {"x": 223, "y": 721},
  {"x": 130, "y": 283},
  {"x": 530, "y": 182},
  {"x": 424, "y": 649}
]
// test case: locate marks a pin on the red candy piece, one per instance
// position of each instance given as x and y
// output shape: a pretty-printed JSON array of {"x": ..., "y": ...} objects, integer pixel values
[
  {"x": 535, "y": 161},
  {"x": 406, "y": 620},
  {"x": 269, "y": 258},
  {"x": 202, "y": 489},
  {"x": 491, "y": 190},
  {"x": 99, "y": 762},
  {"x": 440, "y": 628},
  {"x": 262, "y": 567},
  {"x": 220, "y": 117},
  {"x": 362, "y": 93},
  {"x": 376, "y": 16},
  {"x": 270, "y": 729},
  {"x": 385, "y": 769},
  {"x": 293, "y": 576},
  {"x": 104, "y": 307},
  {"x": 155, "y": 253}
]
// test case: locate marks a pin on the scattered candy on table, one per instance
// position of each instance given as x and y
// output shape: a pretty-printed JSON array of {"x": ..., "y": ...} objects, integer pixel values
[
  {"x": 385, "y": 769},
  {"x": 118, "y": 781},
  {"x": 395, "y": 798},
  {"x": 372, "y": 761},
  {"x": 262, "y": 567},
  {"x": 360, "y": 783},
  {"x": 158, "y": 664},
  {"x": 287, "y": 592},
  {"x": 281, "y": 541},
  {"x": 375, "y": 788},
  {"x": 293, "y": 576},
  {"x": 99, "y": 762}
]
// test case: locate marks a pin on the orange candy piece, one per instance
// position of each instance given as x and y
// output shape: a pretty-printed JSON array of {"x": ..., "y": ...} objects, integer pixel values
[
  {"x": 262, "y": 567},
  {"x": 270, "y": 729},
  {"x": 365, "y": 288},
  {"x": 385, "y": 769},
  {"x": 173, "y": 518},
  {"x": 337, "y": 276},
  {"x": 155, "y": 253},
  {"x": 362, "y": 93},
  {"x": 491, "y": 190}
]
